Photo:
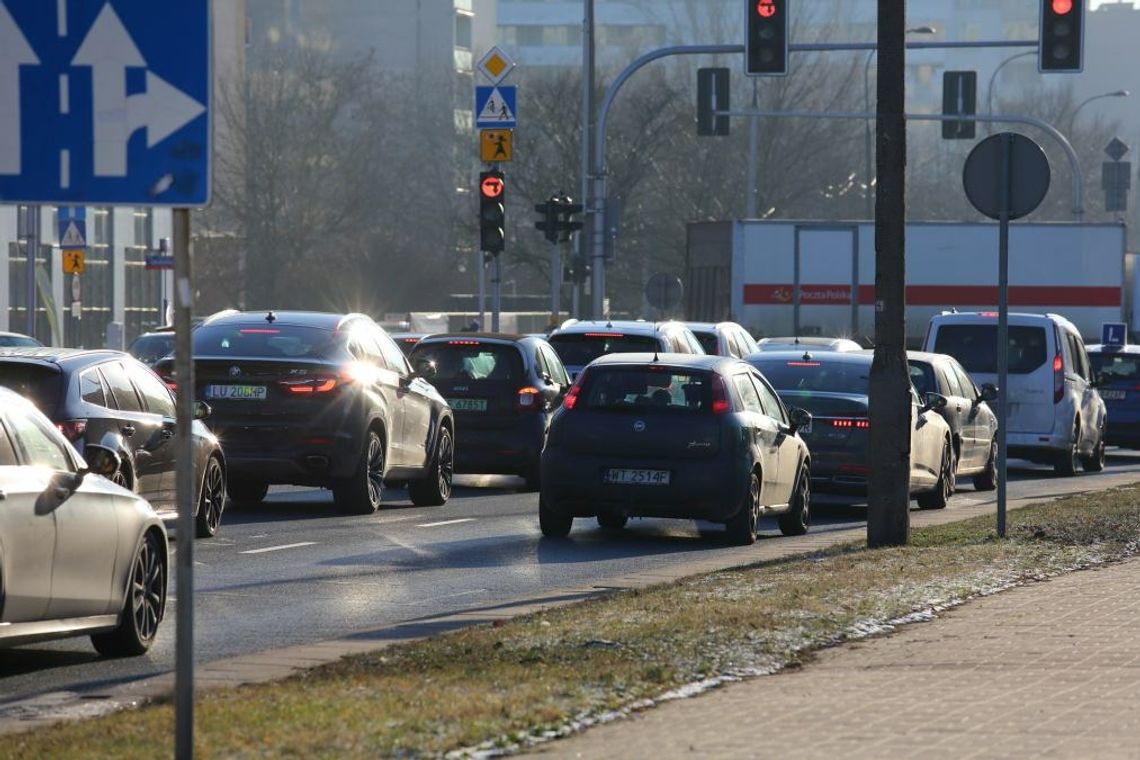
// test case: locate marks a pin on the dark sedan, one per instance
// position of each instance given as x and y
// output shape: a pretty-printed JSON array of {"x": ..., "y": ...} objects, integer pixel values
[
  {"x": 91, "y": 395},
  {"x": 674, "y": 435},
  {"x": 318, "y": 399}
]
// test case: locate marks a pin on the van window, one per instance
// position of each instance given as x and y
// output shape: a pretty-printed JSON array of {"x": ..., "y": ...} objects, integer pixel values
[
  {"x": 973, "y": 346},
  {"x": 1077, "y": 350}
]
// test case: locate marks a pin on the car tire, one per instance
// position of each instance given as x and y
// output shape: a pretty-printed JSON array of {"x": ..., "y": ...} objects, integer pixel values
[
  {"x": 741, "y": 527},
  {"x": 246, "y": 491},
  {"x": 361, "y": 492},
  {"x": 435, "y": 489},
  {"x": 124, "y": 476},
  {"x": 1094, "y": 462},
  {"x": 211, "y": 500},
  {"x": 532, "y": 480},
  {"x": 1068, "y": 462},
  {"x": 986, "y": 480},
  {"x": 611, "y": 520},
  {"x": 940, "y": 496},
  {"x": 143, "y": 607},
  {"x": 553, "y": 524},
  {"x": 797, "y": 520}
]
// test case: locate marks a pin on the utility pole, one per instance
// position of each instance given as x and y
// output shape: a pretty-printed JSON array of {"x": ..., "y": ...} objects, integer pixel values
[
  {"x": 888, "y": 518},
  {"x": 591, "y": 204}
]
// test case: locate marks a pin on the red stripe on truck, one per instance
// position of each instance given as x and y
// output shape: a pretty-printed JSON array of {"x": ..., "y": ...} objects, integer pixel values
[{"x": 940, "y": 295}]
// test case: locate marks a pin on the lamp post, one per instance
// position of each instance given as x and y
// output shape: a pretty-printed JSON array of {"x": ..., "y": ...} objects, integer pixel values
[
  {"x": 993, "y": 76},
  {"x": 1086, "y": 101},
  {"x": 870, "y": 201}
]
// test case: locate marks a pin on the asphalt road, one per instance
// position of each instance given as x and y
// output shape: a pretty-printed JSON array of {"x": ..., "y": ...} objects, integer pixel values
[{"x": 294, "y": 571}]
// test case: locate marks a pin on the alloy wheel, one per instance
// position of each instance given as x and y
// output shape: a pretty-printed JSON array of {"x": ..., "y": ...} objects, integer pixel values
[{"x": 148, "y": 586}]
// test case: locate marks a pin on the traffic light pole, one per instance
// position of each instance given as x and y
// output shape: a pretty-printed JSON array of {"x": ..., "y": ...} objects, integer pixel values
[{"x": 555, "y": 285}]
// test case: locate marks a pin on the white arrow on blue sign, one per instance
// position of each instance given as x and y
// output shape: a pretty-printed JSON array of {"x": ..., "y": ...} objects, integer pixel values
[
  {"x": 495, "y": 107},
  {"x": 105, "y": 102}
]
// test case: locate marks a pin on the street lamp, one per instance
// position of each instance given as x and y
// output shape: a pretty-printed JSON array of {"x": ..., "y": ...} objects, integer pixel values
[
  {"x": 867, "y": 122},
  {"x": 1086, "y": 101},
  {"x": 993, "y": 76}
]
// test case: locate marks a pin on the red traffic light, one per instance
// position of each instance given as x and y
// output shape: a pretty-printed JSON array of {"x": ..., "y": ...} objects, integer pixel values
[
  {"x": 767, "y": 8},
  {"x": 491, "y": 187},
  {"x": 1061, "y": 7}
]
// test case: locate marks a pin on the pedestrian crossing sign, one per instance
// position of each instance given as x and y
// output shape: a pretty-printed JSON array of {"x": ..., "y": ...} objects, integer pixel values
[
  {"x": 73, "y": 261},
  {"x": 495, "y": 107},
  {"x": 495, "y": 145}
]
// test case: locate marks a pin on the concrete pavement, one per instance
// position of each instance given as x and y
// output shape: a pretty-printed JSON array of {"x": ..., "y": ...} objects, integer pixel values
[{"x": 1048, "y": 670}]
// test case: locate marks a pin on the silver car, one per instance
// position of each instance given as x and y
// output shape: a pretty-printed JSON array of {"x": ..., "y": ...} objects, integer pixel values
[{"x": 79, "y": 555}]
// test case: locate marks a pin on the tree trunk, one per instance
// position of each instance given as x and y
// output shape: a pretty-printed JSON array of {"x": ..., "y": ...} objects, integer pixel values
[{"x": 888, "y": 519}]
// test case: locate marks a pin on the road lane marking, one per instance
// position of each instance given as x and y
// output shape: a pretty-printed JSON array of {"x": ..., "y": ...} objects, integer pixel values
[
  {"x": 278, "y": 548},
  {"x": 446, "y": 522}
]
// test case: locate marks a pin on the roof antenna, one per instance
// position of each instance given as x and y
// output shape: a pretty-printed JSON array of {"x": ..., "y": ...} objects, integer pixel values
[
  {"x": 655, "y": 344},
  {"x": 271, "y": 317}
]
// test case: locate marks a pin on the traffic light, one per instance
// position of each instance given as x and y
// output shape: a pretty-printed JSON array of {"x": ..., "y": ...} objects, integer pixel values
[
  {"x": 766, "y": 43},
  {"x": 492, "y": 211},
  {"x": 556, "y": 224},
  {"x": 567, "y": 210},
  {"x": 1060, "y": 48},
  {"x": 549, "y": 223}
]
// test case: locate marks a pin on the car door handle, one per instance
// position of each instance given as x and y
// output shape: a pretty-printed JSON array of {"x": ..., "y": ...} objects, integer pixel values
[{"x": 128, "y": 430}]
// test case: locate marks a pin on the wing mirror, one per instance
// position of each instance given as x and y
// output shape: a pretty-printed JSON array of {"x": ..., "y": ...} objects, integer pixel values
[
  {"x": 800, "y": 419},
  {"x": 989, "y": 392},
  {"x": 933, "y": 401},
  {"x": 202, "y": 410}
]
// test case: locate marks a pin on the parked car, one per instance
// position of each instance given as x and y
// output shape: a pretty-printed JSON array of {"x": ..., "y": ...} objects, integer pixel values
[
  {"x": 579, "y": 342},
  {"x": 79, "y": 555},
  {"x": 502, "y": 389},
  {"x": 1117, "y": 372},
  {"x": 1055, "y": 414},
  {"x": 834, "y": 387},
  {"x": 93, "y": 394},
  {"x": 674, "y": 435},
  {"x": 17, "y": 340},
  {"x": 808, "y": 343},
  {"x": 150, "y": 347},
  {"x": 973, "y": 425},
  {"x": 318, "y": 399},
  {"x": 407, "y": 341},
  {"x": 723, "y": 338}
]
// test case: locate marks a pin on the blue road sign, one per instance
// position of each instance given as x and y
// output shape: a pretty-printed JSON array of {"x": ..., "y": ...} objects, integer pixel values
[
  {"x": 72, "y": 227},
  {"x": 495, "y": 107},
  {"x": 1113, "y": 334},
  {"x": 158, "y": 262},
  {"x": 105, "y": 102}
]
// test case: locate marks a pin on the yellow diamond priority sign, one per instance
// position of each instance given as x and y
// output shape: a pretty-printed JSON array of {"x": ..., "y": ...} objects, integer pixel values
[{"x": 496, "y": 64}]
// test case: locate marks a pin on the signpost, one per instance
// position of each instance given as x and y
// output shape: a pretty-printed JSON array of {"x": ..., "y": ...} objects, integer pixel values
[{"x": 1006, "y": 177}]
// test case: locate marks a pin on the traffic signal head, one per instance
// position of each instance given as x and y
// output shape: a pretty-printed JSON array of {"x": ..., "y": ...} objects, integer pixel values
[
  {"x": 766, "y": 39},
  {"x": 548, "y": 225},
  {"x": 492, "y": 211},
  {"x": 1062, "y": 32}
]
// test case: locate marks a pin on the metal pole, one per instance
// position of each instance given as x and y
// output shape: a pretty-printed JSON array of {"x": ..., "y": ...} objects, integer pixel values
[
  {"x": 1003, "y": 321},
  {"x": 588, "y": 203},
  {"x": 555, "y": 285},
  {"x": 481, "y": 268},
  {"x": 32, "y": 244},
  {"x": 496, "y": 291},
  {"x": 753, "y": 146},
  {"x": 869, "y": 199},
  {"x": 993, "y": 76},
  {"x": 184, "y": 487}
]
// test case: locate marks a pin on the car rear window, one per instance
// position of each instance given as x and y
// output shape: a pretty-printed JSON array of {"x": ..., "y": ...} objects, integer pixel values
[
  {"x": 471, "y": 360},
  {"x": 1116, "y": 366},
  {"x": 268, "y": 342},
  {"x": 659, "y": 388},
  {"x": 150, "y": 348},
  {"x": 579, "y": 349},
  {"x": 974, "y": 346},
  {"x": 817, "y": 375},
  {"x": 708, "y": 341},
  {"x": 42, "y": 385}
]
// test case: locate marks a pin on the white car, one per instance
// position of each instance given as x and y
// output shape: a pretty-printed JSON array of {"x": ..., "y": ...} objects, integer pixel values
[
  {"x": 1055, "y": 415},
  {"x": 579, "y": 341}
]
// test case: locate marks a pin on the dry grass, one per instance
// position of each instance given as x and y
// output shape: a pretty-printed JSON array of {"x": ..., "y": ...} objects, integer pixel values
[{"x": 493, "y": 687}]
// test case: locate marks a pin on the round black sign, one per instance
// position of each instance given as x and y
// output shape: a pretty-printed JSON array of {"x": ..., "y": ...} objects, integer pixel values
[
  {"x": 663, "y": 291},
  {"x": 1025, "y": 168}
]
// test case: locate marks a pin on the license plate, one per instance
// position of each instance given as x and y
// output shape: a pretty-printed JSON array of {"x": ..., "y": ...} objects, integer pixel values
[
  {"x": 468, "y": 404},
  {"x": 236, "y": 392},
  {"x": 637, "y": 477},
  {"x": 1110, "y": 395}
]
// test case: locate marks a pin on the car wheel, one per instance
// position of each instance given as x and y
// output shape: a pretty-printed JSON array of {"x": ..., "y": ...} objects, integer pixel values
[
  {"x": 211, "y": 500},
  {"x": 553, "y": 524},
  {"x": 612, "y": 520},
  {"x": 940, "y": 496},
  {"x": 360, "y": 493},
  {"x": 435, "y": 489},
  {"x": 797, "y": 520},
  {"x": 741, "y": 528},
  {"x": 952, "y": 473},
  {"x": 986, "y": 480},
  {"x": 246, "y": 491},
  {"x": 1094, "y": 462},
  {"x": 123, "y": 477},
  {"x": 1068, "y": 462},
  {"x": 142, "y": 609}
]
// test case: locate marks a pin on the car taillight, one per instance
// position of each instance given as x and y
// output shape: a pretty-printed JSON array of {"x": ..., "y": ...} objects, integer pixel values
[
  {"x": 72, "y": 430},
  {"x": 720, "y": 402},
  {"x": 529, "y": 400},
  {"x": 1058, "y": 379},
  {"x": 851, "y": 422},
  {"x": 310, "y": 385},
  {"x": 169, "y": 380},
  {"x": 571, "y": 397}
]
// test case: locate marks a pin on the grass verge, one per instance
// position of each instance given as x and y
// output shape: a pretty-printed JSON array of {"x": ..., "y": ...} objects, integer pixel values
[{"x": 492, "y": 687}]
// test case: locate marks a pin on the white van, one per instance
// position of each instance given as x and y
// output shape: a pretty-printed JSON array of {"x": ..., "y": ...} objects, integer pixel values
[{"x": 1055, "y": 415}]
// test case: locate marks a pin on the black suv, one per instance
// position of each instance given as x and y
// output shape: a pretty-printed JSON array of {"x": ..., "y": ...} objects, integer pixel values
[
  {"x": 317, "y": 399},
  {"x": 111, "y": 399},
  {"x": 503, "y": 390}
]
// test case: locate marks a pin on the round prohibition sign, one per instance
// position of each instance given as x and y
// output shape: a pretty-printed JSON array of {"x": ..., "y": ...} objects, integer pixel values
[{"x": 492, "y": 187}]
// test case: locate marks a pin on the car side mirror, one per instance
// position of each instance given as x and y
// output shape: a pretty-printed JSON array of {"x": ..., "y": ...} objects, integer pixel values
[
  {"x": 800, "y": 419},
  {"x": 202, "y": 410},
  {"x": 933, "y": 401},
  {"x": 989, "y": 392}
]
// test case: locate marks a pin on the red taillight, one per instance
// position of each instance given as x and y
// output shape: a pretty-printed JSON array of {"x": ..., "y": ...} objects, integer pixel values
[
  {"x": 463, "y": 343},
  {"x": 851, "y": 422},
  {"x": 169, "y": 380},
  {"x": 571, "y": 397},
  {"x": 720, "y": 402},
  {"x": 259, "y": 331},
  {"x": 529, "y": 399},
  {"x": 991, "y": 314},
  {"x": 72, "y": 430},
  {"x": 310, "y": 385},
  {"x": 603, "y": 335},
  {"x": 804, "y": 364},
  {"x": 1058, "y": 379}
]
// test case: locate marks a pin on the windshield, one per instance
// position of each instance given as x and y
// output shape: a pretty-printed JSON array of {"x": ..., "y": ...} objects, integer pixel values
[
  {"x": 42, "y": 385},
  {"x": 470, "y": 360},
  {"x": 577, "y": 350},
  {"x": 276, "y": 342},
  {"x": 831, "y": 377},
  {"x": 975, "y": 347},
  {"x": 661, "y": 389},
  {"x": 1116, "y": 367},
  {"x": 18, "y": 341}
]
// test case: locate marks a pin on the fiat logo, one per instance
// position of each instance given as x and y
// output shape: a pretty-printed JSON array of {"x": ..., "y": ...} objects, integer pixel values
[
  {"x": 235, "y": 371},
  {"x": 639, "y": 426}
]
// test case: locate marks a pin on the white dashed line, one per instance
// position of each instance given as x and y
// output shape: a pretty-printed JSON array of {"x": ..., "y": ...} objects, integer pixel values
[
  {"x": 446, "y": 522},
  {"x": 278, "y": 548}
]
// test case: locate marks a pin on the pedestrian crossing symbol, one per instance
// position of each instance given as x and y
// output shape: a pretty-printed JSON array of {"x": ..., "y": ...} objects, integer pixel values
[
  {"x": 495, "y": 107},
  {"x": 72, "y": 236}
]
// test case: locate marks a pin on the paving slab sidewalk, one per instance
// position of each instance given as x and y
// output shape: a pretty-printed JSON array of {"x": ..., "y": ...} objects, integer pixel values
[{"x": 1048, "y": 670}]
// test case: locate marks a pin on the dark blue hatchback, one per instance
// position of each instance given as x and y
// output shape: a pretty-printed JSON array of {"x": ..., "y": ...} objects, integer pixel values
[{"x": 1118, "y": 368}]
